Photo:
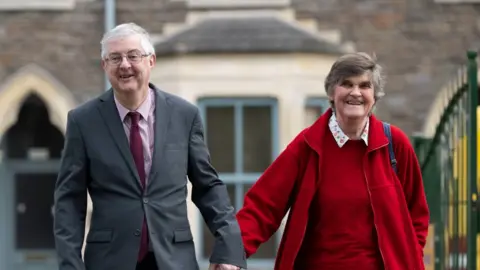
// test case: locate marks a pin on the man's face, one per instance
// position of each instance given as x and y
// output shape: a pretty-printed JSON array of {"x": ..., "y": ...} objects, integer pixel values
[{"x": 127, "y": 65}]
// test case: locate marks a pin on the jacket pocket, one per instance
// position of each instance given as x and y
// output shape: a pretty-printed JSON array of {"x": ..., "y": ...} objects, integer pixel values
[
  {"x": 100, "y": 236},
  {"x": 180, "y": 236}
]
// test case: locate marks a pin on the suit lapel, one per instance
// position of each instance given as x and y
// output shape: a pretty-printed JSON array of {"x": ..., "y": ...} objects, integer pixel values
[
  {"x": 112, "y": 120},
  {"x": 162, "y": 119}
]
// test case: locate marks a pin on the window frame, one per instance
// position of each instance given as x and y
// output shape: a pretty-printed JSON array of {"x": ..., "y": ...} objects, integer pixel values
[
  {"x": 239, "y": 178},
  {"x": 456, "y": 1},
  {"x": 315, "y": 102},
  {"x": 37, "y": 5},
  {"x": 236, "y": 3}
]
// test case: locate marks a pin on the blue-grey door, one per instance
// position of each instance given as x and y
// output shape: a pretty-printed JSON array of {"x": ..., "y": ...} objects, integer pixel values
[
  {"x": 28, "y": 194},
  {"x": 31, "y": 148}
]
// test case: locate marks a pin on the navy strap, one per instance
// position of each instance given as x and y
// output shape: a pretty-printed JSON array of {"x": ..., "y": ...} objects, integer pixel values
[{"x": 388, "y": 133}]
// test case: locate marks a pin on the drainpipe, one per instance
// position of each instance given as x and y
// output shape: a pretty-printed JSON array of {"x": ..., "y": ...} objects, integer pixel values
[{"x": 109, "y": 23}]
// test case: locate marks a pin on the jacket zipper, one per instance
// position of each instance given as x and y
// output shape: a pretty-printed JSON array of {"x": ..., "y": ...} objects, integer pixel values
[
  {"x": 300, "y": 246},
  {"x": 304, "y": 229},
  {"x": 373, "y": 210}
]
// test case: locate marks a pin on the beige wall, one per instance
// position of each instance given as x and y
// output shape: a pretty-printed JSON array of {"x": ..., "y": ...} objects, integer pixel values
[{"x": 288, "y": 78}]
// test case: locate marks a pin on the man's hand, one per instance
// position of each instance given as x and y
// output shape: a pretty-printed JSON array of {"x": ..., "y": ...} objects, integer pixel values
[{"x": 215, "y": 266}]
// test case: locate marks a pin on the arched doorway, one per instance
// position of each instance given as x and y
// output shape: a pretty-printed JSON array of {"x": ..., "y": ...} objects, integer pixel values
[
  {"x": 438, "y": 106},
  {"x": 33, "y": 115},
  {"x": 31, "y": 151}
]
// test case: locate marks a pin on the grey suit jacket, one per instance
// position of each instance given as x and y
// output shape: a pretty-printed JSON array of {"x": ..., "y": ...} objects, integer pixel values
[{"x": 97, "y": 158}]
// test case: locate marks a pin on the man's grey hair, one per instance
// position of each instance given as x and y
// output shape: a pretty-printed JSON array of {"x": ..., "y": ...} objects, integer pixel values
[
  {"x": 352, "y": 65},
  {"x": 127, "y": 30}
]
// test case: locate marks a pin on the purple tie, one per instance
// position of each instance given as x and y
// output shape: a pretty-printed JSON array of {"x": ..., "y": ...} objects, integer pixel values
[{"x": 137, "y": 152}]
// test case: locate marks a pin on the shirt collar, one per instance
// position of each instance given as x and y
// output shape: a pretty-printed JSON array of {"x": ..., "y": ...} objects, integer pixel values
[
  {"x": 340, "y": 136},
  {"x": 144, "y": 108}
]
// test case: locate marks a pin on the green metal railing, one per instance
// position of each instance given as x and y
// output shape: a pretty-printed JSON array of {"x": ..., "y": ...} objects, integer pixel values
[{"x": 449, "y": 167}]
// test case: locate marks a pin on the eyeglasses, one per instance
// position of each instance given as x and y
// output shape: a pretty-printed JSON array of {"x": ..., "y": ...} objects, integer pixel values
[{"x": 133, "y": 57}]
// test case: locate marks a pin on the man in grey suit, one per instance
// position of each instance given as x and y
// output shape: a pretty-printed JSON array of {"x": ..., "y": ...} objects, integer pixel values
[{"x": 132, "y": 149}]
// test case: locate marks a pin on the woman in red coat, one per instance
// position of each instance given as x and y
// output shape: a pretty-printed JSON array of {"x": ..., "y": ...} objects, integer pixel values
[{"x": 348, "y": 208}]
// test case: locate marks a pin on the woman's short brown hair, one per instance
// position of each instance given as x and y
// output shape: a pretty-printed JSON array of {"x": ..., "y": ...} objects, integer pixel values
[{"x": 352, "y": 65}]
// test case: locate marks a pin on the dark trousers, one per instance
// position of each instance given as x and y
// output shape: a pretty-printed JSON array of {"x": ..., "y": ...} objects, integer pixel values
[{"x": 148, "y": 263}]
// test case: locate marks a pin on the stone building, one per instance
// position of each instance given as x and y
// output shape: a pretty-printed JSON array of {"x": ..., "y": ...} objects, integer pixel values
[{"x": 255, "y": 68}]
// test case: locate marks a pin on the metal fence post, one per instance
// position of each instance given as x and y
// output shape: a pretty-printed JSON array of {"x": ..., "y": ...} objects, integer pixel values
[
  {"x": 472, "y": 161},
  {"x": 3, "y": 220},
  {"x": 449, "y": 169},
  {"x": 432, "y": 190}
]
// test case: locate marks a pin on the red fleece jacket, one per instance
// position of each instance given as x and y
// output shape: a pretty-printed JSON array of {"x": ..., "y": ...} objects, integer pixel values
[{"x": 398, "y": 201}]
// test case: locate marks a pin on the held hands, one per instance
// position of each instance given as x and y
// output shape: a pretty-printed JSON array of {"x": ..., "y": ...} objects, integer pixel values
[{"x": 215, "y": 266}]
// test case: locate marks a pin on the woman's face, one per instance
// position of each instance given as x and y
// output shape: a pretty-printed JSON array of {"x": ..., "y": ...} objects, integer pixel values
[{"x": 354, "y": 97}]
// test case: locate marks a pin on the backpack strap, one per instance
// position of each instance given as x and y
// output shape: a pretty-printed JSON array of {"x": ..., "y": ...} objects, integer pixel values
[{"x": 388, "y": 133}]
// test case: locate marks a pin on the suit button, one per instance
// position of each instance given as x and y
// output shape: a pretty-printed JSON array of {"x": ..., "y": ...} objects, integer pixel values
[
  {"x": 145, "y": 200},
  {"x": 137, "y": 232}
]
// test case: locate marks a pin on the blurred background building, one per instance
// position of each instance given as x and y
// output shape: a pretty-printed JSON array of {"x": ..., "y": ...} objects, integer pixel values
[{"x": 255, "y": 68}]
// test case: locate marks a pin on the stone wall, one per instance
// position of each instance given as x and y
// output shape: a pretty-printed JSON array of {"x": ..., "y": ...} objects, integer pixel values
[
  {"x": 67, "y": 43},
  {"x": 420, "y": 42}
]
